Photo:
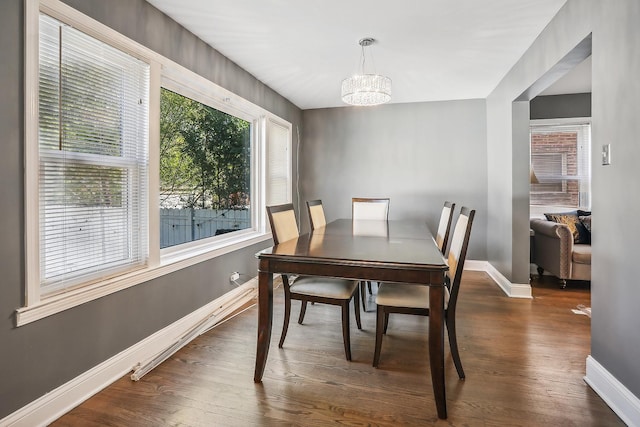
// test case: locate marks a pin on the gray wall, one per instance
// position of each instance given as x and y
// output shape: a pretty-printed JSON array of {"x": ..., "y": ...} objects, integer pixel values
[
  {"x": 561, "y": 106},
  {"x": 615, "y": 293},
  {"x": 418, "y": 154},
  {"x": 40, "y": 356},
  {"x": 615, "y": 111}
]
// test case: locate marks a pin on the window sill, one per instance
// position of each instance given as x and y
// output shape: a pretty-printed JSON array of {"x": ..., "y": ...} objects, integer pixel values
[{"x": 58, "y": 303}]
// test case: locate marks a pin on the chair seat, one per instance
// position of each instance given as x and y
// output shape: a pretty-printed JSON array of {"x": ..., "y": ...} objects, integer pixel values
[
  {"x": 406, "y": 295},
  {"x": 324, "y": 287}
]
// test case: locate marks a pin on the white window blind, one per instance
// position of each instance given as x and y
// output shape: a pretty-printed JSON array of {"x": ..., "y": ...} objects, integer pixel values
[
  {"x": 278, "y": 180},
  {"x": 93, "y": 138},
  {"x": 549, "y": 165}
]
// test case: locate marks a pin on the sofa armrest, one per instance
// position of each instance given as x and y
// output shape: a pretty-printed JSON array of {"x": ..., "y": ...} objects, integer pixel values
[
  {"x": 550, "y": 228},
  {"x": 553, "y": 245}
]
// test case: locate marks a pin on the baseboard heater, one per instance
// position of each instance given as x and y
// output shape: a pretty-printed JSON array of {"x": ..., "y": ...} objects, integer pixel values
[{"x": 229, "y": 302}]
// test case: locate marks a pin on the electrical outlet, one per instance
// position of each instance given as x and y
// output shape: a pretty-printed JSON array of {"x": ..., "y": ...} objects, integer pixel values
[{"x": 234, "y": 276}]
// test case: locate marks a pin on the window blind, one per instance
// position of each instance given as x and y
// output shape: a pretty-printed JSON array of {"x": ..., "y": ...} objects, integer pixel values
[
  {"x": 93, "y": 138},
  {"x": 278, "y": 164}
]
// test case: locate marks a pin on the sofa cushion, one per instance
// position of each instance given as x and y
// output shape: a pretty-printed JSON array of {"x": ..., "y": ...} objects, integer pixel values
[
  {"x": 586, "y": 222},
  {"x": 571, "y": 220},
  {"x": 581, "y": 254}
]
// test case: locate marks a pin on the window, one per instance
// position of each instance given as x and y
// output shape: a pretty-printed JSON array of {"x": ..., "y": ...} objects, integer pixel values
[
  {"x": 115, "y": 135},
  {"x": 560, "y": 159},
  {"x": 279, "y": 163},
  {"x": 205, "y": 171},
  {"x": 93, "y": 103}
]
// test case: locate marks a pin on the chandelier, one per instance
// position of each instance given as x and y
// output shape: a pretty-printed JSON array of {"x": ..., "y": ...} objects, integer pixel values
[{"x": 366, "y": 89}]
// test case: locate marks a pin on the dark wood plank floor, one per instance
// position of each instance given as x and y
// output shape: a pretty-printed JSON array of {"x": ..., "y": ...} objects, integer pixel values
[{"x": 524, "y": 360}]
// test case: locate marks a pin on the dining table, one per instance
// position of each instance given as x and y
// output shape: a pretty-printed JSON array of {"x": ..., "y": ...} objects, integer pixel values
[{"x": 394, "y": 251}]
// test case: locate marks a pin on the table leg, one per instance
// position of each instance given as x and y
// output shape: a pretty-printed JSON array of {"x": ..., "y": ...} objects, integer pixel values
[
  {"x": 436, "y": 347},
  {"x": 265, "y": 315}
]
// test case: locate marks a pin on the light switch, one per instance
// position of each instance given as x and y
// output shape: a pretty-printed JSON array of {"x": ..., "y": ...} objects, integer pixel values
[{"x": 606, "y": 154}]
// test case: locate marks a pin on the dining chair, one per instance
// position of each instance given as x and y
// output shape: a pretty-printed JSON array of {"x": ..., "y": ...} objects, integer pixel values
[
  {"x": 444, "y": 227},
  {"x": 318, "y": 289},
  {"x": 316, "y": 214},
  {"x": 316, "y": 220},
  {"x": 414, "y": 299},
  {"x": 363, "y": 208},
  {"x": 367, "y": 208}
]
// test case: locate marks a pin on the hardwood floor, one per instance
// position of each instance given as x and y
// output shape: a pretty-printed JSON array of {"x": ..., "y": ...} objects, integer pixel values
[{"x": 524, "y": 361}]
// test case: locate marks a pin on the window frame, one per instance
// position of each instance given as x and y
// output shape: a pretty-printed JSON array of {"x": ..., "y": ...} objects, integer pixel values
[{"x": 160, "y": 262}]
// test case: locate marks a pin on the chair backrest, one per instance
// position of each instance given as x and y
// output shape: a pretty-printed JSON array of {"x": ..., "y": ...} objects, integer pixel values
[
  {"x": 371, "y": 228},
  {"x": 282, "y": 219},
  {"x": 363, "y": 208},
  {"x": 316, "y": 214},
  {"x": 458, "y": 253},
  {"x": 444, "y": 227}
]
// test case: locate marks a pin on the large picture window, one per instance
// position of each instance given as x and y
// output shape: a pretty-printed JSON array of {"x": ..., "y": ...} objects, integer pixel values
[{"x": 205, "y": 171}]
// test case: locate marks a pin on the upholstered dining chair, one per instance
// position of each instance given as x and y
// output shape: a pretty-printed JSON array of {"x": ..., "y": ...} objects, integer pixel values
[
  {"x": 316, "y": 220},
  {"x": 316, "y": 214},
  {"x": 369, "y": 209},
  {"x": 414, "y": 299},
  {"x": 323, "y": 290},
  {"x": 366, "y": 208},
  {"x": 444, "y": 227}
]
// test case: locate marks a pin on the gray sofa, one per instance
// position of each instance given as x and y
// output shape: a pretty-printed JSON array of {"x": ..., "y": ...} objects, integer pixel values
[{"x": 553, "y": 250}]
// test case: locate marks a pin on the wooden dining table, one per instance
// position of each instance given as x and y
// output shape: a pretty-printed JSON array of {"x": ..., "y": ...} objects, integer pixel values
[{"x": 382, "y": 251}]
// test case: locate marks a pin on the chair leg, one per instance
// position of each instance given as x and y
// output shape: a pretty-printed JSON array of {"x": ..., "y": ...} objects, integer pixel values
[
  {"x": 386, "y": 322},
  {"x": 285, "y": 324},
  {"x": 380, "y": 316},
  {"x": 453, "y": 343},
  {"x": 356, "y": 306},
  {"x": 363, "y": 296},
  {"x": 303, "y": 310},
  {"x": 369, "y": 287},
  {"x": 345, "y": 329}
]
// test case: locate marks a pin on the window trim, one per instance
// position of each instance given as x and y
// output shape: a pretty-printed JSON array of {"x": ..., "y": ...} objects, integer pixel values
[{"x": 35, "y": 306}]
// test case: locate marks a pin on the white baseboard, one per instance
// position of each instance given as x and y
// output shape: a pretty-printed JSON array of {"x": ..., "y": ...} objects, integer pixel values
[
  {"x": 513, "y": 290},
  {"x": 613, "y": 392},
  {"x": 56, "y": 403}
]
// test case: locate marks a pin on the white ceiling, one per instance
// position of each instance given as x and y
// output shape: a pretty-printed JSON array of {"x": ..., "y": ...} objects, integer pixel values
[{"x": 432, "y": 49}]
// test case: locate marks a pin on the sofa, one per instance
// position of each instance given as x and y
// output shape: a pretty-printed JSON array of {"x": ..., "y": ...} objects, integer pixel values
[{"x": 561, "y": 245}]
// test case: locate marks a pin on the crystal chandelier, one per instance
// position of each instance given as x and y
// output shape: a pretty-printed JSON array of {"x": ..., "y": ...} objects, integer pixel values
[{"x": 366, "y": 89}]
